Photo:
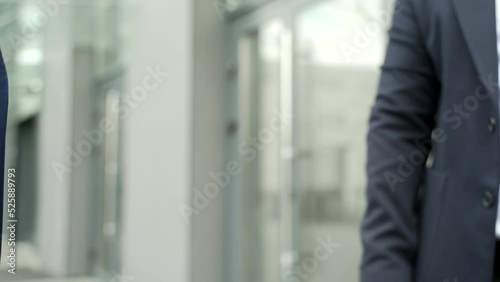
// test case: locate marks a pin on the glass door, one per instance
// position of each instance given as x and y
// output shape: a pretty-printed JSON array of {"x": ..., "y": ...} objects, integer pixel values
[
  {"x": 339, "y": 49},
  {"x": 261, "y": 228},
  {"x": 107, "y": 178},
  {"x": 303, "y": 76}
]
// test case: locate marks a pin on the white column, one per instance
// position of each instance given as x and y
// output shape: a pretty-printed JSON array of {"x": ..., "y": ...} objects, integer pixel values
[
  {"x": 56, "y": 125},
  {"x": 158, "y": 141}
]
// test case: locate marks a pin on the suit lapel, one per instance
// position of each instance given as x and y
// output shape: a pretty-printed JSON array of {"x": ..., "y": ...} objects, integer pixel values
[{"x": 477, "y": 20}]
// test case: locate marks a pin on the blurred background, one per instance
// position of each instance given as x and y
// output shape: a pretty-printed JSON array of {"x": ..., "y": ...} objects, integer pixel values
[{"x": 194, "y": 140}]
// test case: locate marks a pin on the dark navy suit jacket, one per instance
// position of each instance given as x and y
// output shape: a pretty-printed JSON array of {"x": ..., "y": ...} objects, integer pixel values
[
  {"x": 432, "y": 204},
  {"x": 4, "y": 104}
]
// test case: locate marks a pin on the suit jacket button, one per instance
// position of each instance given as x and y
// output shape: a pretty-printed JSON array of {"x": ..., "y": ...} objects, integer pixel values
[
  {"x": 492, "y": 125},
  {"x": 488, "y": 200}
]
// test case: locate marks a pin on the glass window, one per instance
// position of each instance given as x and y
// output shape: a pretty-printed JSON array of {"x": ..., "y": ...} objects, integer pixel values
[
  {"x": 340, "y": 46},
  {"x": 303, "y": 189},
  {"x": 92, "y": 63},
  {"x": 259, "y": 59}
]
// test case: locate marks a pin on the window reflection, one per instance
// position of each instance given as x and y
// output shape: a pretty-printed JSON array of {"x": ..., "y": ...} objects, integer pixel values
[
  {"x": 82, "y": 45},
  {"x": 259, "y": 61},
  {"x": 301, "y": 194},
  {"x": 337, "y": 73}
]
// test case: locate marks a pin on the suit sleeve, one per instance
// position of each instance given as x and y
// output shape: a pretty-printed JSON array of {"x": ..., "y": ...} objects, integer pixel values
[
  {"x": 4, "y": 104},
  {"x": 403, "y": 113}
]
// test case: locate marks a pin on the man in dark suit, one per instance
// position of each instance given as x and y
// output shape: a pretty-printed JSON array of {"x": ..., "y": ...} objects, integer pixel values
[
  {"x": 4, "y": 104},
  {"x": 434, "y": 147}
]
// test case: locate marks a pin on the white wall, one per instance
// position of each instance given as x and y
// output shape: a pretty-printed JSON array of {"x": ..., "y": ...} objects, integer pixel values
[
  {"x": 157, "y": 143},
  {"x": 55, "y": 122}
]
